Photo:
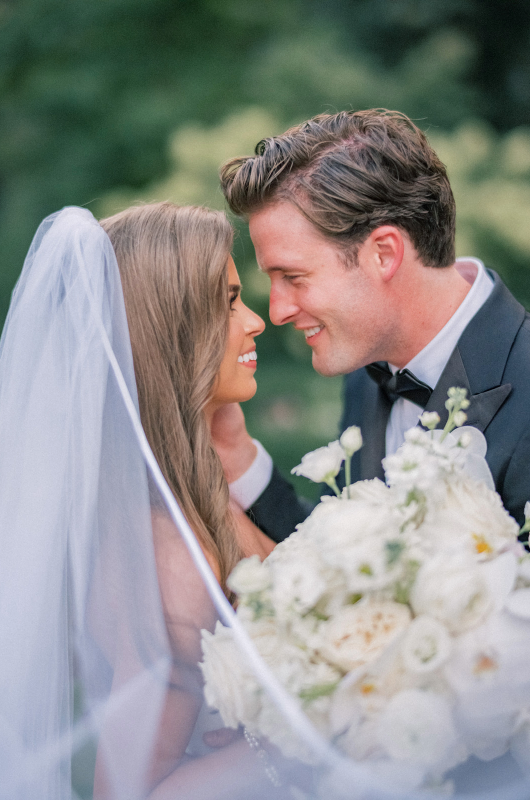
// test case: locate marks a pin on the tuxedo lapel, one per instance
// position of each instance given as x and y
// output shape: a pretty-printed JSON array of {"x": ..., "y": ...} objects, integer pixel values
[
  {"x": 478, "y": 362},
  {"x": 483, "y": 405}
]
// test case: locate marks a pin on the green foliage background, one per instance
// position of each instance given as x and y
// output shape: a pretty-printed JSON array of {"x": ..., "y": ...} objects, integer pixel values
[{"x": 108, "y": 102}]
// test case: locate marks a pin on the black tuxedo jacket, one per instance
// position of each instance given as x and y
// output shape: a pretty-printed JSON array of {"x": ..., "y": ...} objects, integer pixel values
[{"x": 491, "y": 361}]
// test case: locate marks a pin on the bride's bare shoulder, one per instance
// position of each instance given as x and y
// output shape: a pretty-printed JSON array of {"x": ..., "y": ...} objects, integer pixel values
[{"x": 171, "y": 551}]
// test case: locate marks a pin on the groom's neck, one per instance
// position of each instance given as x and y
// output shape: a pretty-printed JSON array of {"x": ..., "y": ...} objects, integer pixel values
[{"x": 425, "y": 299}]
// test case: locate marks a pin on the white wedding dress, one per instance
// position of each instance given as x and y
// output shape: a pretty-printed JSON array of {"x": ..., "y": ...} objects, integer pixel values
[{"x": 85, "y": 516}]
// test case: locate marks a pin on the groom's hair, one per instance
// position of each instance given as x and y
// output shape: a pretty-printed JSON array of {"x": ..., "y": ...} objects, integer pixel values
[{"x": 349, "y": 173}]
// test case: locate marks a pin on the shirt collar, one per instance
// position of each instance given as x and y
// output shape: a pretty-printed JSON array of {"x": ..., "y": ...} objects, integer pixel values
[{"x": 430, "y": 362}]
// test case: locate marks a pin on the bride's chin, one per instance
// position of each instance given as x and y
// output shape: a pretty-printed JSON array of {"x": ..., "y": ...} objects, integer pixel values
[{"x": 248, "y": 392}]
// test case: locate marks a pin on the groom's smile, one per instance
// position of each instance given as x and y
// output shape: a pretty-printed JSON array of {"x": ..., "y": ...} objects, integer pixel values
[{"x": 335, "y": 304}]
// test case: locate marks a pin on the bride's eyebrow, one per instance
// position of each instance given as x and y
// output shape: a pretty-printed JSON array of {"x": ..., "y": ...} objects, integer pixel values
[{"x": 234, "y": 288}]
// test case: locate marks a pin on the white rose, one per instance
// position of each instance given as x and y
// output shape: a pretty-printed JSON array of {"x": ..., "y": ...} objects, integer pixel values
[
  {"x": 359, "y": 633},
  {"x": 321, "y": 465},
  {"x": 249, "y": 576},
  {"x": 452, "y": 588},
  {"x": 373, "y": 491},
  {"x": 475, "y": 513},
  {"x": 417, "y": 726},
  {"x": 426, "y": 645},
  {"x": 351, "y": 440},
  {"x": 346, "y": 523},
  {"x": 229, "y": 683}
]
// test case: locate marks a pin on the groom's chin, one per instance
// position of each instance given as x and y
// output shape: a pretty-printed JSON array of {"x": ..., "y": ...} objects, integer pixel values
[{"x": 327, "y": 367}]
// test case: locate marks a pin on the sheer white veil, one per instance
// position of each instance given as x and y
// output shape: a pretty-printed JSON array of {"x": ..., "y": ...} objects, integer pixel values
[{"x": 86, "y": 661}]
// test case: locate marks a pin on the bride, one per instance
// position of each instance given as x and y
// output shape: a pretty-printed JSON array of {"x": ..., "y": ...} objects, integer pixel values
[{"x": 102, "y": 596}]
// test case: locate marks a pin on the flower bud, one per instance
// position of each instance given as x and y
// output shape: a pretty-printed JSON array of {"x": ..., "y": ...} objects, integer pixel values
[
  {"x": 460, "y": 418},
  {"x": 430, "y": 419},
  {"x": 351, "y": 440}
]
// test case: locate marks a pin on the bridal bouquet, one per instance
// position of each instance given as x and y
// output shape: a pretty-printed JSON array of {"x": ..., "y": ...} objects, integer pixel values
[{"x": 398, "y": 613}]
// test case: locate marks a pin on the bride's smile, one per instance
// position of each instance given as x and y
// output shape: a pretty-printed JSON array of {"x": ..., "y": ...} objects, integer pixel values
[{"x": 235, "y": 382}]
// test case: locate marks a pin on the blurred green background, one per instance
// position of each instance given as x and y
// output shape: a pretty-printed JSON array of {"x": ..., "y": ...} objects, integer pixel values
[{"x": 109, "y": 102}]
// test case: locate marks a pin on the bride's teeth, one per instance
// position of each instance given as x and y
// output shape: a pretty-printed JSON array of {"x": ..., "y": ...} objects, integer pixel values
[
  {"x": 244, "y": 359},
  {"x": 312, "y": 331}
]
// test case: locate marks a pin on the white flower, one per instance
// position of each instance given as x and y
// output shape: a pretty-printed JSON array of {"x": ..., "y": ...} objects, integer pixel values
[
  {"x": 430, "y": 419},
  {"x": 351, "y": 440},
  {"x": 459, "y": 418},
  {"x": 298, "y": 584},
  {"x": 230, "y": 685},
  {"x": 527, "y": 509},
  {"x": 372, "y": 491},
  {"x": 321, "y": 465},
  {"x": 417, "y": 726},
  {"x": 249, "y": 576},
  {"x": 359, "y": 633},
  {"x": 426, "y": 645},
  {"x": 476, "y": 513},
  {"x": 451, "y": 588}
]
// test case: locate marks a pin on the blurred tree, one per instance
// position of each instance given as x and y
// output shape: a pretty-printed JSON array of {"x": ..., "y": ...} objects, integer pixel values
[{"x": 91, "y": 91}]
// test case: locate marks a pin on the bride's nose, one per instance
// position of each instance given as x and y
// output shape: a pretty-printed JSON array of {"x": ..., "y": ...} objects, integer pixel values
[{"x": 254, "y": 325}]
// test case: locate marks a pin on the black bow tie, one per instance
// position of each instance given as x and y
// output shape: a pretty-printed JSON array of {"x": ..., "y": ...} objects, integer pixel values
[{"x": 402, "y": 384}]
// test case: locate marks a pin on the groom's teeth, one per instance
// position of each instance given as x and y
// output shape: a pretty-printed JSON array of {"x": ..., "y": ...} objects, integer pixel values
[{"x": 312, "y": 331}]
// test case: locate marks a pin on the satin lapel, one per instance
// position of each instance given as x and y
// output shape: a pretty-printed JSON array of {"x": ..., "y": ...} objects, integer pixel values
[
  {"x": 376, "y": 411},
  {"x": 454, "y": 374},
  {"x": 483, "y": 405}
]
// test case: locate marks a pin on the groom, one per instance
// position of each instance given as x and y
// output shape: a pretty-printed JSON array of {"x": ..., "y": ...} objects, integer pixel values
[{"x": 353, "y": 219}]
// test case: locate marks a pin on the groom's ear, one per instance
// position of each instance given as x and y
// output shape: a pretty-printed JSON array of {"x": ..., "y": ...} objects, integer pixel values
[{"x": 385, "y": 247}]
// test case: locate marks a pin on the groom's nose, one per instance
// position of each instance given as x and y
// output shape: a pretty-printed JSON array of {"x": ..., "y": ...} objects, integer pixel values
[{"x": 282, "y": 308}]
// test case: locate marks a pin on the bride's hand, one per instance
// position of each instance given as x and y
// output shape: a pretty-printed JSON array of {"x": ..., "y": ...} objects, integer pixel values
[{"x": 232, "y": 441}]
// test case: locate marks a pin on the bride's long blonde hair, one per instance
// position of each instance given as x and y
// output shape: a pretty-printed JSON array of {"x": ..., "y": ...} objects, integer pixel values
[{"x": 173, "y": 267}]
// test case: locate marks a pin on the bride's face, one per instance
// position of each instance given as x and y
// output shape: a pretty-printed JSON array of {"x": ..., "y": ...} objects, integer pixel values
[{"x": 236, "y": 382}]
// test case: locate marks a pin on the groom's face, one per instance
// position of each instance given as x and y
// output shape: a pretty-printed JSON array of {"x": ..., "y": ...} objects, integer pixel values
[{"x": 337, "y": 306}]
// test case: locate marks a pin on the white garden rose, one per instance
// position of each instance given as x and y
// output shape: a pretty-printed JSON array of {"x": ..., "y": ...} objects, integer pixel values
[
  {"x": 426, "y": 645},
  {"x": 359, "y": 633},
  {"x": 372, "y": 491},
  {"x": 476, "y": 513},
  {"x": 417, "y": 726},
  {"x": 249, "y": 576},
  {"x": 351, "y": 440},
  {"x": 451, "y": 588},
  {"x": 321, "y": 465},
  {"x": 230, "y": 685}
]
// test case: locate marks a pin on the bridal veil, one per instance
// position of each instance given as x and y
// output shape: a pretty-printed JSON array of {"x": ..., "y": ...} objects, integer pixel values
[{"x": 86, "y": 662}]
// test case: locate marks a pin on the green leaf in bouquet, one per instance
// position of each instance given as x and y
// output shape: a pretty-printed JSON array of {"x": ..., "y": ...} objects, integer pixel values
[
  {"x": 403, "y": 587},
  {"x": 319, "y": 690},
  {"x": 259, "y": 605},
  {"x": 393, "y": 548}
]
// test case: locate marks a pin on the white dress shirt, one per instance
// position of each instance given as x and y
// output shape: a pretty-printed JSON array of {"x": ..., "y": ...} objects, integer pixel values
[
  {"x": 430, "y": 362},
  {"x": 427, "y": 365}
]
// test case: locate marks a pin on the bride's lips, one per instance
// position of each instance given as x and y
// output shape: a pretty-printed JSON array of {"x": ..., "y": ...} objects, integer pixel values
[{"x": 248, "y": 359}]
